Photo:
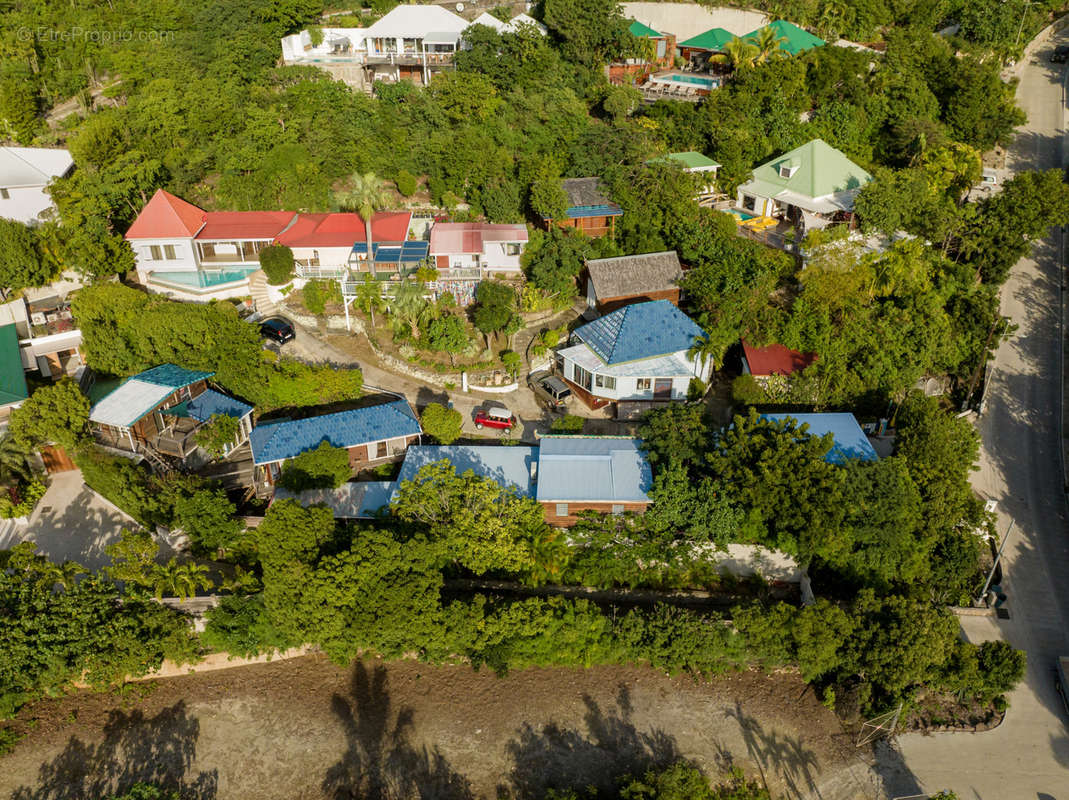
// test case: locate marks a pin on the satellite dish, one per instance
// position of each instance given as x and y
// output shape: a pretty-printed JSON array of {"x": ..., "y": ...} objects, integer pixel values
[{"x": 460, "y": 6}]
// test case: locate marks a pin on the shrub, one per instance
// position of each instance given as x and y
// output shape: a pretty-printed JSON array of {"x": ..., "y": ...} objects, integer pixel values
[
  {"x": 241, "y": 627},
  {"x": 511, "y": 361},
  {"x": 218, "y": 434},
  {"x": 406, "y": 183},
  {"x": 696, "y": 389},
  {"x": 27, "y": 499},
  {"x": 444, "y": 424},
  {"x": 313, "y": 298},
  {"x": 569, "y": 423},
  {"x": 277, "y": 263},
  {"x": 326, "y": 467},
  {"x": 746, "y": 391}
]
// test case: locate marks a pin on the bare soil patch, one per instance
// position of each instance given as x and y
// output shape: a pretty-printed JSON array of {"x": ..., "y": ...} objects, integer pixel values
[{"x": 305, "y": 728}]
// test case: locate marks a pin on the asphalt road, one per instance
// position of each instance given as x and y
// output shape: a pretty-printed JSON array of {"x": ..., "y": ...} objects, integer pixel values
[{"x": 1028, "y": 755}]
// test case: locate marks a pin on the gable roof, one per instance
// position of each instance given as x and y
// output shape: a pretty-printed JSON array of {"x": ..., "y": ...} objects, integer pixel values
[
  {"x": 850, "y": 442},
  {"x": 797, "y": 39},
  {"x": 167, "y": 217},
  {"x": 416, "y": 21},
  {"x": 605, "y": 469},
  {"x": 776, "y": 359},
  {"x": 32, "y": 166},
  {"x": 139, "y": 395},
  {"x": 210, "y": 402},
  {"x": 821, "y": 171},
  {"x": 714, "y": 39},
  {"x": 642, "y": 330},
  {"x": 691, "y": 159},
  {"x": 277, "y": 441},
  {"x": 633, "y": 275},
  {"x": 585, "y": 192},
  {"x": 344, "y": 229},
  {"x": 639, "y": 29},
  {"x": 490, "y": 21},
  {"x": 471, "y": 237},
  {"x": 507, "y": 465},
  {"x": 245, "y": 224},
  {"x": 12, "y": 376}
]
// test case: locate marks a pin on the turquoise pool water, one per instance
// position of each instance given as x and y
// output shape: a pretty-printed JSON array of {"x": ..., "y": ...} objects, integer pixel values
[
  {"x": 202, "y": 279},
  {"x": 742, "y": 216},
  {"x": 692, "y": 80}
]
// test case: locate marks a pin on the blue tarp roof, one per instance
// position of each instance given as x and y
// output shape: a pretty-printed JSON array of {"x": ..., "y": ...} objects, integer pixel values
[
  {"x": 395, "y": 252},
  {"x": 211, "y": 402},
  {"x": 508, "y": 465},
  {"x": 850, "y": 441},
  {"x": 593, "y": 469},
  {"x": 642, "y": 330},
  {"x": 277, "y": 441},
  {"x": 172, "y": 375}
]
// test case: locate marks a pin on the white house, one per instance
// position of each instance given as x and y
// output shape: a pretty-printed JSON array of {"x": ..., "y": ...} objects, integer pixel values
[
  {"x": 465, "y": 253},
  {"x": 812, "y": 184},
  {"x": 513, "y": 25},
  {"x": 638, "y": 352},
  {"x": 24, "y": 176}
]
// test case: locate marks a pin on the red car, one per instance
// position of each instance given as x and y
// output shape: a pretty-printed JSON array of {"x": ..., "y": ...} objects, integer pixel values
[{"x": 494, "y": 418}]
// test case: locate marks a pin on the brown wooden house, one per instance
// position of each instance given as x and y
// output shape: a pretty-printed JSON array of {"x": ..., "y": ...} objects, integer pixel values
[
  {"x": 589, "y": 208},
  {"x": 615, "y": 282}
]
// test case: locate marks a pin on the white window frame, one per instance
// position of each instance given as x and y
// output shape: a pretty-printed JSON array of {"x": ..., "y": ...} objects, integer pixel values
[
  {"x": 562, "y": 509},
  {"x": 155, "y": 252}
]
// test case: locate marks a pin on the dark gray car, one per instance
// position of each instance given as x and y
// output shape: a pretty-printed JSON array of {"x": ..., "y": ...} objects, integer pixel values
[{"x": 551, "y": 391}]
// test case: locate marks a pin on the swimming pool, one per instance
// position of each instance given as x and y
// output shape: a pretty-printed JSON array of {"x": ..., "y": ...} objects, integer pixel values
[
  {"x": 201, "y": 279},
  {"x": 699, "y": 81},
  {"x": 740, "y": 216}
]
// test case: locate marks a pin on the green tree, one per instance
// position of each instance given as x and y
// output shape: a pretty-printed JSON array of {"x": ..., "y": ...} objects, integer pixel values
[
  {"x": 369, "y": 298},
  {"x": 180, "y": 580},
  {"x": 18, "y": 103},
  {"x": 444, "y": 424},
  {"x": 23, "y": 260},
  {"x": 464, "y": 96},
  {"x": 494, "y": 308},
  {"x": 241, "y": 626},
  {"x": 448, "y": 334},
  {"x": 589, "y": 30},
  {"x": 218, "y": 435},
  {"x": 741, "y": 53},
  {"x": 406, "y": 183},
  {"x": 207, "y": 517},
  {"x": 365, "y": 196},
  {"x": 57, "y": 413},
  {"x": 326, "y": 467},
  {"x": 768, "y": 44},
  {"x": 14, "y": 461},
  {"x": 277, "y": 263},
  {"x": 512, "y": 362}
]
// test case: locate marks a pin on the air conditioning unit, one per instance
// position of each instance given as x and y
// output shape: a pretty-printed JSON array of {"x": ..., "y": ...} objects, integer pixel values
[{"x": 37, "y": 318}]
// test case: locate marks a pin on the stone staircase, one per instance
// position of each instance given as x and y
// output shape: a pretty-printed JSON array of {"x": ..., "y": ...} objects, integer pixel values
[{"x": 260, "y": 299}]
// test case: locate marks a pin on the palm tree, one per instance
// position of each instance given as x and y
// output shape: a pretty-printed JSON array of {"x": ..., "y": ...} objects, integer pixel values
[
  {"x": 369, "y": 298},
  {"x": 366, "y": 196},
  {"x": 409, "y": 305},
  {"x": 740, "y": 53},
  {"x": 49, "y": 574},
  {"x": 14, "y": 465},
  {"x": 768, "y": 44},
  {"x": 181, "y": 580},
  {"x": 704, "y": 350},
  {"x": 835, "y": 17}
]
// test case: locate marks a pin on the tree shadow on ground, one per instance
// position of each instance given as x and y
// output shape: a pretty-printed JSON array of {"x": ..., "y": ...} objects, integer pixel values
[
  {"x": 558, "y": 758},
  {"x": 777, "y": 756},
  {"x": 380, "y": 763},
  {"x": 136, "y": 749}
]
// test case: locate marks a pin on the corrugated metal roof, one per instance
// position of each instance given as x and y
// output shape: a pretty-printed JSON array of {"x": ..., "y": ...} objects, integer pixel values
[
  {"x": 205, "y": 404},
  {"x": 173, "y": 376},
  {"x": 821, "y": 171},
  {"x": 593, "y": 469},
  {"x": 129, "y": 403},
  {"x": 508, "y": 465},
  {"x": 277, "y": 441},
  {"x": 775, "y": 359},
  {"x": 850, "y": 441},
  {"x": 669, "y": 366},
  {"x": 32, "y": 166},
  {"x": 358, "y": 500},
  {"x": 642, "y": 330}
]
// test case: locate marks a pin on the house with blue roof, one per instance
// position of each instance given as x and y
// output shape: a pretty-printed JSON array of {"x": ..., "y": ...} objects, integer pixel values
[
  {"x": 372, "y": 435},
  {"x": 638, "y": 352},
  {"x": 849, "y": 442},
  {"x": 161, "y": 409}
]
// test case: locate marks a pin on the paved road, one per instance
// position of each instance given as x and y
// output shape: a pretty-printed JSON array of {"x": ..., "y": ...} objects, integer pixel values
[{"x": 1028, "y": 756}]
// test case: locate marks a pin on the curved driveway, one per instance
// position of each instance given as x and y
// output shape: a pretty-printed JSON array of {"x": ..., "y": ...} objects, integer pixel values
[{"x": 1028, "y": 756}]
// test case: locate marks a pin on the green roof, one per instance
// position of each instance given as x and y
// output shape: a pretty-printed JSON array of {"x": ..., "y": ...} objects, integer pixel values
[
  {"x": 638, "y": 29},
  {"x": 12, "y": 377},
  {"x": 692, "y": 160},
  {"x": 821, "y": 170},
  {"x": 797, "y": 40},
  {"x": 713, "y": 39}
]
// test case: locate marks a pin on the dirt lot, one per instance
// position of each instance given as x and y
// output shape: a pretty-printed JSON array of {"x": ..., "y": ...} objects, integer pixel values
[{"x": 305, "y": 728}]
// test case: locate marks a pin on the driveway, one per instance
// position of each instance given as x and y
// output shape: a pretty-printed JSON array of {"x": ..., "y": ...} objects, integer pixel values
[
  {"x": 1021, "y": 467},
  {"x": 74, "y": 523}
]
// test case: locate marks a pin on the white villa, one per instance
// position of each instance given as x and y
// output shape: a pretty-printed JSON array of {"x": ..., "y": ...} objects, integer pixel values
[
  {"x": 638, "y": 352},
  {"x": 465, "y": 253},
  {"x": 25, "y": 173}
]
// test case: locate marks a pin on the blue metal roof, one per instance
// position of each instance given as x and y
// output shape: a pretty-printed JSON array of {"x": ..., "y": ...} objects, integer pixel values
[
  {"x": 508, "y": 465},
  {"x": 277, "y": 441},
  {"x": 172, "y": 375},
  {"x": 211, "y": 402},
  {"x": 581, "y": 212},
  {"x": 643, "y": 330},
  {"x": 394, "y": 252},
  {"x": 593, "y": 469},
  {"x": 850, "y": 441}
]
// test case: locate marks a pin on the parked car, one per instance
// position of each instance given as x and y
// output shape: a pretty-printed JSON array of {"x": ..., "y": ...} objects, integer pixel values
[
  {"x": 277, "y": 330},
  {"x": 551, "y": 391},
  {"x": 495, "y": 417},
  {"x": 1060, "y": 54}
]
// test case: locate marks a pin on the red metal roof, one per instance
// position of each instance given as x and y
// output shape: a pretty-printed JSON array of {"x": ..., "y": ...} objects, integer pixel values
[
  {"x": 468, "y": 237},
  {"x": 776, "y": 359},
  {"x": 245, "y": 224},
  {"x": 344, "y": 229},
  {"x": 166, "y": 217}
]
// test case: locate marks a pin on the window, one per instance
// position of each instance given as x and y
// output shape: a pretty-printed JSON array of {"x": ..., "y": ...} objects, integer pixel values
[
  {"x": 168, "y": 252},
  {"x": 787, "y": 170},
  {"x": 380, "y": 451},
  {"x": 617, "y": 509},
  {"x": 605, "y": 381},
  {"x": 5, "y": 194},
  {"x": 582, "y": 377},
  {"x": 562, "y": 509},
  {"x": 155, "y": 251},
  {"x": 749, "y": 202},
  {"x": 512, "y": 249},
  {"x": 643, "y": 384}
]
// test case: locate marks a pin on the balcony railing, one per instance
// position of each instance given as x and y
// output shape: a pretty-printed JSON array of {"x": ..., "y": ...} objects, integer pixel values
[{"x": 321, "y": 273}]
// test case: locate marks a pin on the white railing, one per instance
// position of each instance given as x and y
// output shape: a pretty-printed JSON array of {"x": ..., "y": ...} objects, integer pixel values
[{"x": 318, "y": 272}]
